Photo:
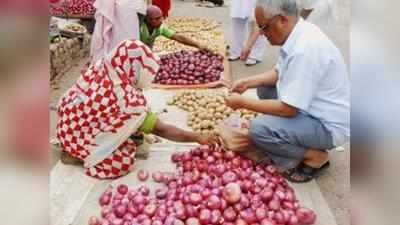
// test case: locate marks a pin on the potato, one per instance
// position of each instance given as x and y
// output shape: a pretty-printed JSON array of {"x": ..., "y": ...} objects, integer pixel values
[
  {"x": 218, "y": 115},
  {"x": 170, "y": 102}
]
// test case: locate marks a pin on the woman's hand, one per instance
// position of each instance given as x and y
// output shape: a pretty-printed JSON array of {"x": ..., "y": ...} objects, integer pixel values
[{"x": 207, "y": 139}]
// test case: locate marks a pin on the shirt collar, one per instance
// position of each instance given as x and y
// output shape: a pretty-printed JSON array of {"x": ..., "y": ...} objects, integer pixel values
[{"x": 288, "y": 46}]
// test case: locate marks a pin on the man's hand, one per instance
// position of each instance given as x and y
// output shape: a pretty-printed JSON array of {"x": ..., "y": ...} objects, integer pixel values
[
  {"x": 245, "y": 53},
  {"x": 207, "y": 139},
  {"x": 239, "y": 86},
  {"x": 235, "y": 101}
]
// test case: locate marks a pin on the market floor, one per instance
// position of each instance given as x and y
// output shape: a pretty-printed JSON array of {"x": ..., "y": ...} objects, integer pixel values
[{"x": 334, "y": 182}]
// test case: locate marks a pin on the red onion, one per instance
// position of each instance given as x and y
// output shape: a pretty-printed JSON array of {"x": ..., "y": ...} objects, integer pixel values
[
  {"x": 229, "y": 177},
  {"x": 274, "y": 205},
  {"x": 236, "y": 162},
  {"x": 132, "y": 194},
  {"x": 94, "y": 221},
  {"x": 105, "y": 199},
  {"x": 205, "y": 216},
  {"x": 150, "y": 210},
  {"x": 128, "y": 216},
  {"x": 246, "y": 185},
  {"x": 241, "y": 222},
  {"x": 231, "y": 193},
  {"x": 127, "y": 222},
  {"x": 178, "y": 222},
  {"x": 249, "y": 216},
  {"x": 116, "y": 221},
  {"x": 191, "y": 211},
  {"x": 122, "y": 189},
  {"x": 195, "y": 198},
  {"x": 157, "y": 222},
  {"x": 215, "y": 216},
  {"x": 176, "y": 157},
  {"x": 132, "y": 210},
  {"x": 220, "y": 169},
  {"x": 261, "y": 213},
  {"x": 144, "y": 190},
  {"x": 157, "y": 176},
  {"x": 244, "y": 201},
  {"x": 187, "y": 156},
  {"x": 229, "y": 155},
  {"x": 305, "y": 216},
  {"x": 216, "y": 191},
  {"x": 120, "y": 210},
  {"x": 214, "y": 202},
  {"x": 105, "y": 211},
  {"x": 161, "y": 193},
  {"x": 142, "y": 175},
  {"x": 266, "y": 194},
  {"x": 278, "y": 217},
  {"x": 267, "y": 222},
  {"x": 210, "y": 159},
  {"x": 138, "y": 199},
  {"x": 229, "y": 214},
  {"x": 192, "y": 221},
  {"x": 206, "y": 193},
  {"x": 187, "y": 166}
]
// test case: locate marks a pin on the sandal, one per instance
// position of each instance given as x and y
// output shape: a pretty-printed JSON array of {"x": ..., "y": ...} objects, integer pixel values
[{"x": 304, "y": 173}]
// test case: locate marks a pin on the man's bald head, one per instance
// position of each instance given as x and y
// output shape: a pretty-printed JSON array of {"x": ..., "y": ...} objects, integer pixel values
[{"x": 153, "y": 11}]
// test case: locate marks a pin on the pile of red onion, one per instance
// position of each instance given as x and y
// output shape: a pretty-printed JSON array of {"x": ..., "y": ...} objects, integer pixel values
[
  {"x": 211, "y": 186},
  {"x": 72, "y": 7},
  {"x": 81, "y": 7},
  {"x": 189, "y": 67}
]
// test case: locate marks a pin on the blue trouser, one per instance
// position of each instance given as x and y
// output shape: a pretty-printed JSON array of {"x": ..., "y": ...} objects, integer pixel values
[{"x": 285, "y": 140}]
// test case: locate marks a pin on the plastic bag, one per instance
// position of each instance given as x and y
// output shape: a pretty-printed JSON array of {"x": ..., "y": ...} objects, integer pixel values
[{"x": 234, "y": 133}]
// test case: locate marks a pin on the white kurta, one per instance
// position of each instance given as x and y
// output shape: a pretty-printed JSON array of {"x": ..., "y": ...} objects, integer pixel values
[
  {"x": 323, "y": 13},
  {"x": 242, "y": 14},
  {"x": 116, "y": 20}
]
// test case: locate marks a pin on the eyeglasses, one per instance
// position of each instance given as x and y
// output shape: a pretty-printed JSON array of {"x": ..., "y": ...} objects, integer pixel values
[{"x": 265, "y": 27}]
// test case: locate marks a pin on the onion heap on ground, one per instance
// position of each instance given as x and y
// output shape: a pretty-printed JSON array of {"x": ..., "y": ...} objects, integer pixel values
[
  {"x": 189, "y": 68},
  {"x": 211, "y": 186},
  {"x": 72, "y": 7}
]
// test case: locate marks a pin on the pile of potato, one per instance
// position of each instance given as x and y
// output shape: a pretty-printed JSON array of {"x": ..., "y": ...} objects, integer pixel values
[
  {"x": 206, "y": 109},
  {"x": 206, "y": 31},
  {"x": 64, "y": 51},
  {"x": 213, "y": 39},
  {"x": 191, "y": 24}
]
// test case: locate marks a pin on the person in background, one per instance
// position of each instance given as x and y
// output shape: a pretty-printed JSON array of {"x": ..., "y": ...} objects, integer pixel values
[
  {"x": 215, "y": 3},
  {"x": 100, "y": 116},
  {"x": 116, "y": 20},
  {"x": 151, "y": 26},
  {"x": 242, "y": 14},
  {"x": 304, "y": 99},
  {"x": 164, "y": 5},
  {"x": 318, "y": 12}
]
